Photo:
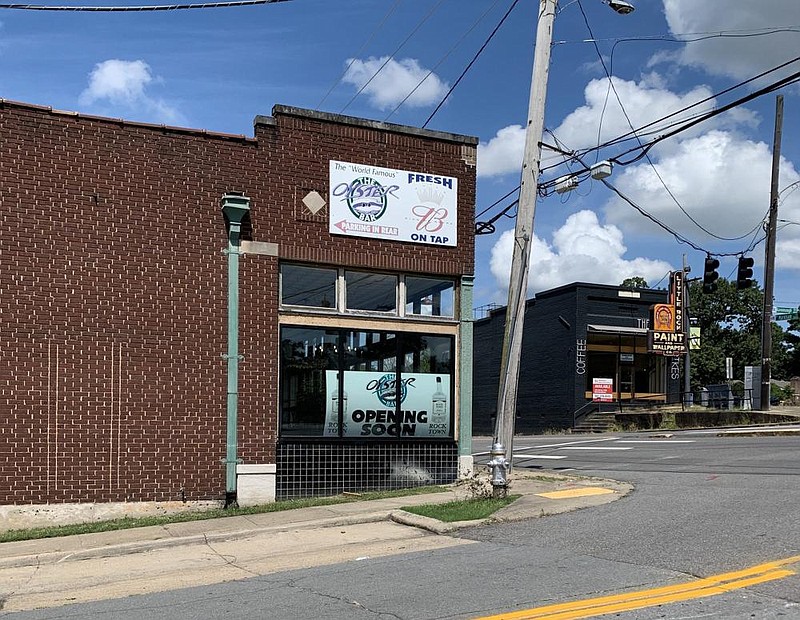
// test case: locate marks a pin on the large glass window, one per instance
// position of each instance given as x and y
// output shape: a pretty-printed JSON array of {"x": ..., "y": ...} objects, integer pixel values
[
  {"x": 365, "y": 384},
  {"x": 375, "y": 292},
  {"x": 308, "y": 356},
  {"x": 308, "y": 286}
]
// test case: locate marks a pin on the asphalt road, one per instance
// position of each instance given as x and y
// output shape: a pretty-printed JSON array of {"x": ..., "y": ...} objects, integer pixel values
[{"x": 703, "y": 505}]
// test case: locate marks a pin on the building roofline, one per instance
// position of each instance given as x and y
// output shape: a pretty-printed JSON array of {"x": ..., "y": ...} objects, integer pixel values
[
  {"x": 501, "y": 310},
  {"x": 277, "y": 110},
  {"x": 591, "y": 285},
  {"x": 341, "y": 119},
  {"x": 126, "y": 123}
]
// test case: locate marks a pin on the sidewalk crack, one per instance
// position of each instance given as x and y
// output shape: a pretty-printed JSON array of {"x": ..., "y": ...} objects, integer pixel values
[{"x": 229, "y": 560}]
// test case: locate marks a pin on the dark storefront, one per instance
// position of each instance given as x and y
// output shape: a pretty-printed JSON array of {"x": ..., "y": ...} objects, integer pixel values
[{"x": 574, "y": 336}]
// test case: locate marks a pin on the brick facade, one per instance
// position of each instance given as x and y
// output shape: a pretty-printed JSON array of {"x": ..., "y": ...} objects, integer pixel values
[{"x": 113, "y": 288}]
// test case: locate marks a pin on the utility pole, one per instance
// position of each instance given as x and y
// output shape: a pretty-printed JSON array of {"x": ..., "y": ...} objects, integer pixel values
[
  {"x": 769, "y": 260},
  {"x": 523, "y": 231},
  {"x": 688, "y": 397},
  {"x": 523, "y": 234}
]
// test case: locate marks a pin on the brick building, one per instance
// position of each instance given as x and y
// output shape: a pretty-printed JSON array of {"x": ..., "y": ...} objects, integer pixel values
[{"x": 189, "y": 315}]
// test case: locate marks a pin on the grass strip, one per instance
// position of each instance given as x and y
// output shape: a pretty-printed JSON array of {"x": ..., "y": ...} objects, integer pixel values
[
  {"x": 215, "y": 513},
  {"x": 462, "y": 510}
]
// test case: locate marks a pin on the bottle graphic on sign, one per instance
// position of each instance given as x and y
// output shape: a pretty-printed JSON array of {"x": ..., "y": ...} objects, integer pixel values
[
  {"x": 335, "y": 399},
  {"x": 439, "y": 404}
]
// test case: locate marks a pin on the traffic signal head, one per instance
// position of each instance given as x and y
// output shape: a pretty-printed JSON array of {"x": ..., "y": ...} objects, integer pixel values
[
  {"x": 710, "y": 275},
  {"x": 744, "y": 273}
]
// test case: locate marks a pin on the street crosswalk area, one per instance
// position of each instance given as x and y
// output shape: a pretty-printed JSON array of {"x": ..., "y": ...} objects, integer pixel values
[{"x": 542, "y": 452}]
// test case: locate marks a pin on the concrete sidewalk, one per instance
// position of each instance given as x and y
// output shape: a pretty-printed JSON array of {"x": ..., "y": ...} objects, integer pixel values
[
  {"x": 541, "y": 494},
  {"x": 52, "y": 572}
]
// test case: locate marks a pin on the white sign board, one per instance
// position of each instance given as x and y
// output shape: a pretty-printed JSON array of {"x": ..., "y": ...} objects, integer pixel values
[
  {"x": 383, "y": 203},
  {"x": 602, "y": 390},
  {"x": 369, "y": 405}
]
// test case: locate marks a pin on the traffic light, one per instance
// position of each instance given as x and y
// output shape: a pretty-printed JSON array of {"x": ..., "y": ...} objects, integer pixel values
[
  {"x": 744, "y": 273},
  {"x": 710, "y": 275}
]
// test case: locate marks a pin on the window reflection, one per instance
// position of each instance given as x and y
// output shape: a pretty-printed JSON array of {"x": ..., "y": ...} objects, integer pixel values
[
  {"x": 308, "y": 286},
  {"x": 429, "y": 296},
  {"x": 371, "y": 291}
]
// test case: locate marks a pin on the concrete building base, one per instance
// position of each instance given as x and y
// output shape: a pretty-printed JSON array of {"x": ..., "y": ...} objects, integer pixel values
[
  {"x": 466, "y": 466},
  {"x": 18, "y": 517},
  {"x": 255, "y": 484}
]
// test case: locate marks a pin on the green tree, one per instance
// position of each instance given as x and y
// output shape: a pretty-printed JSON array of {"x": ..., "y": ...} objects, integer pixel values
[
  {"x": 635, "y": 282},
  {"x": 730, "y": 324},
  {"x": 793, "y": 345}
]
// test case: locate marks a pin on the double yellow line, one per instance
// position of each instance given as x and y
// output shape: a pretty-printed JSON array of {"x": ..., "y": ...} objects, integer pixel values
[{"x": 710, "y": 586}]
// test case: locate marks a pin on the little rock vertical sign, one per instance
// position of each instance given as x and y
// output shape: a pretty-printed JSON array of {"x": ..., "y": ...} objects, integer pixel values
[{"x": 668, "y": 336}]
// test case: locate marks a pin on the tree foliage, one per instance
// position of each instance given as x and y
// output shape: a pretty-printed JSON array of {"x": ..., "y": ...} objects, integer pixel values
[
  {"x": 634, "y": 282},
  {"x": 730, "y": 324}
]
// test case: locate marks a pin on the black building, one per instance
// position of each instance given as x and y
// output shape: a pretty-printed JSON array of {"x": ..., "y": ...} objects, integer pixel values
[{"x": 574, "y": 335}]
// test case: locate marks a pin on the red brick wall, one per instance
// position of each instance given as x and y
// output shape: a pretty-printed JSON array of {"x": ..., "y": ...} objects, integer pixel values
[{"x": 113, "y": 291}]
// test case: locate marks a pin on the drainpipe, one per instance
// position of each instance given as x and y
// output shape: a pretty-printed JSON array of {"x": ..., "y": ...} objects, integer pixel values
[{"x": 234, "y": 207}]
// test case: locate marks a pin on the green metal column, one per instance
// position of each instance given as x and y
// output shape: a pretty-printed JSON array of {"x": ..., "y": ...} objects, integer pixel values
[
  {"x": 234, "y": 207},
  {"x": 465, "y": 368}
]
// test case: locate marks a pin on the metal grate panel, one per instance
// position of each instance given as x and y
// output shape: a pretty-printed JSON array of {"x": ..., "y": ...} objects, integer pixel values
[{"x": 312, "y": 469}]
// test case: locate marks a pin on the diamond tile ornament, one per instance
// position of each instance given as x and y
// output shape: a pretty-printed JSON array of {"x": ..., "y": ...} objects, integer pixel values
[{"x": 314, "y": 202}]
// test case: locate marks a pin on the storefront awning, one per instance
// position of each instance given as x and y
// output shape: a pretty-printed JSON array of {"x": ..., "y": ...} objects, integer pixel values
[{"x": 617, "y": 329}]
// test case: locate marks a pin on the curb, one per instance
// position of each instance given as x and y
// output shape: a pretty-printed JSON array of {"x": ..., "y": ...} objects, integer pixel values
[
  {"x": 430, "y": 524},
  {"x": 110, "y": 551}
]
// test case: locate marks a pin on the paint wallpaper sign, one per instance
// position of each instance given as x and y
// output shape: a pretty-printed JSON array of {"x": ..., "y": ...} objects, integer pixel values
[
  {"x": 383, "y": 203},
  {"x": 369, "y": 403}
]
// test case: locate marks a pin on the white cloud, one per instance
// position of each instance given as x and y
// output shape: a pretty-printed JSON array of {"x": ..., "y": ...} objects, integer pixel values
[
  {"x": 602, "y": 119},
  {"x": 645, "y": 102},
  {"x": 582, "y": 250},
  {"x": 719, "y": 178},
  {"x": 124, "y": 83},
  {"x": 738, "y": 56},
  {"x": 503, "y": 153},
  {"x": 389, "y": 85}
]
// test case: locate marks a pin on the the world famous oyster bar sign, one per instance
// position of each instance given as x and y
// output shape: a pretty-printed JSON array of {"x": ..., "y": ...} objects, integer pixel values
[{"x": 382, "y": 203}]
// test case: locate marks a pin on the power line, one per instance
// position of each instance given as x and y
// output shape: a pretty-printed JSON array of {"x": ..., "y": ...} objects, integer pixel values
[
  {"x": 471, "y": 62},
  {"x": 358, "y": 53},
  {"x": 392, "y": 55},
  {"x": 139, "y": 8},
  {"x": 703, "y": 115},
  {"x": 442, "y": 59}
]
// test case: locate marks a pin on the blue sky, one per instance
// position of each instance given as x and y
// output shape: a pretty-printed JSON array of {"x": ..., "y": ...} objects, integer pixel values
[{"x": 217, "y": 69}]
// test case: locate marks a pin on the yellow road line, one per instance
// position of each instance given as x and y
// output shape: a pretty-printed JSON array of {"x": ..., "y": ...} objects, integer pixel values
[
  {"x": 578, "y": 492},
  {"x": 710, "y": 586}
]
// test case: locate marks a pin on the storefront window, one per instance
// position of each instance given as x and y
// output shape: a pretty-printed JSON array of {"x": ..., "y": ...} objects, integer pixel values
[
  {"x": 305, "y": 287},
  {"x": 308, "y": 355},
  {"x": 623, "y": 358},
  {"x": 313, "y": 287},
  {"x": 365, "y": 384},
  {"x": 375, "y": 292},
  {"x": 429, "y": 296}
]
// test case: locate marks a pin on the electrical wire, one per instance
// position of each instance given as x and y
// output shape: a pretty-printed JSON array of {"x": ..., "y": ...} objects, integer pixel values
[
  {"x": 640, "y": 131},
  {"x": 442, "y": 59},
  {"x": 358, "y": 53},
  {"x": 647, "y": 156},
  {"x": 392, "y": 55},
  {"x": 471, "y": 62},
  {"x": 678, "y": 128},
  {"x": 160, "y": 7}
]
